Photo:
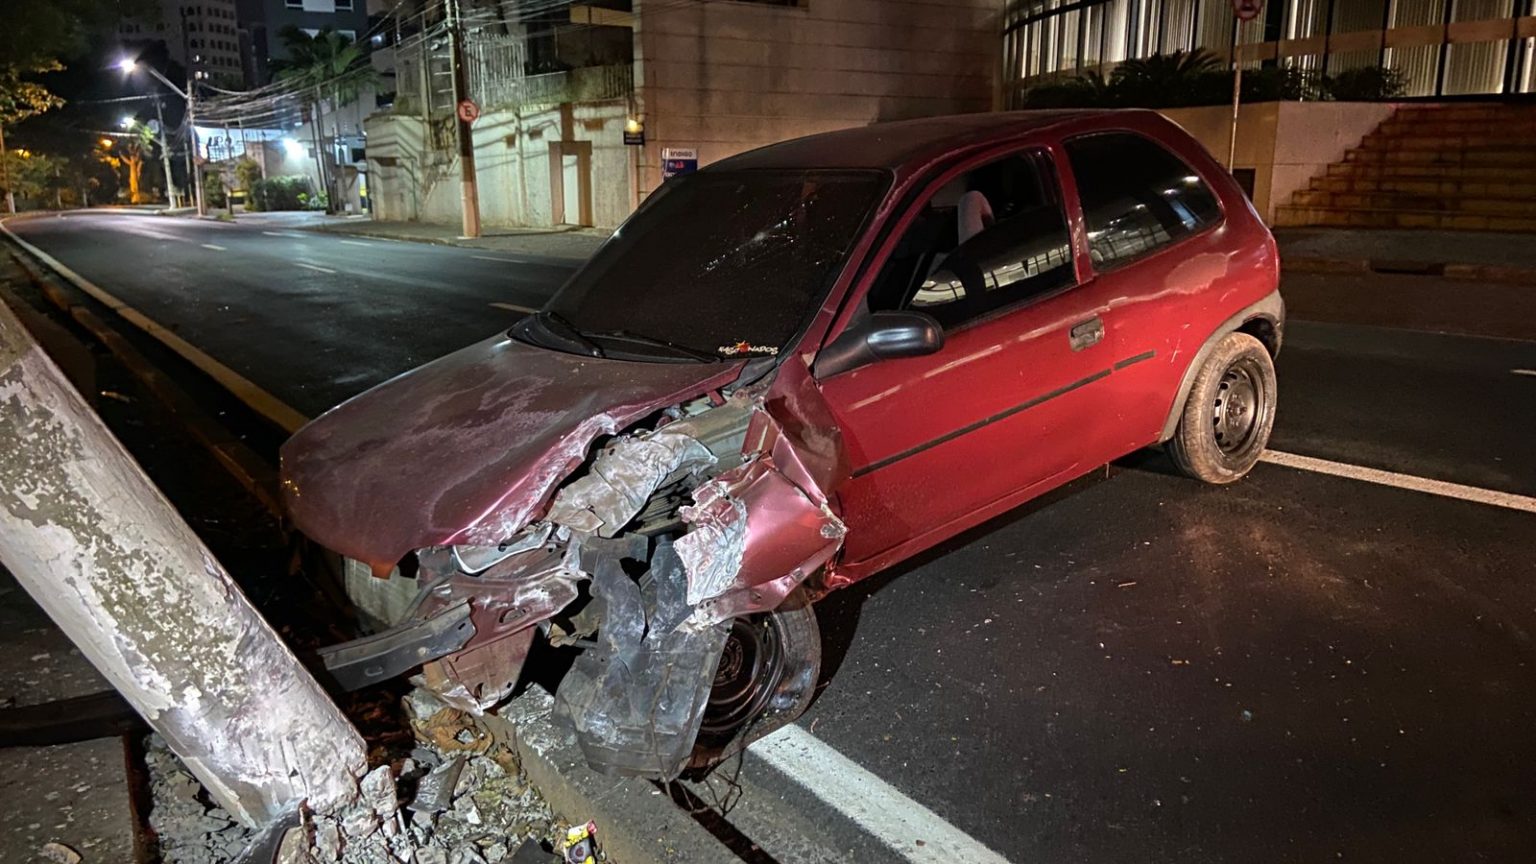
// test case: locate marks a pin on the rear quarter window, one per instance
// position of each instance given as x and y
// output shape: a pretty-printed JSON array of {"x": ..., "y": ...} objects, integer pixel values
[{"x": 1137, "y": 197}]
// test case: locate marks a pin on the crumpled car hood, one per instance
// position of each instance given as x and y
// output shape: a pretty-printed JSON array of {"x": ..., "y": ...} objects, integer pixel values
[{"x": 467, "y": 448}]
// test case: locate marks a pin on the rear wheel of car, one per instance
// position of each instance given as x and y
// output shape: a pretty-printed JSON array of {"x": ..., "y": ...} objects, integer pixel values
[{"x": 1229, "y": 413}]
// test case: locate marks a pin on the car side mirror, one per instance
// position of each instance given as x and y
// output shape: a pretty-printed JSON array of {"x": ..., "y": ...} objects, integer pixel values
[{"x": 881, "y": 336}]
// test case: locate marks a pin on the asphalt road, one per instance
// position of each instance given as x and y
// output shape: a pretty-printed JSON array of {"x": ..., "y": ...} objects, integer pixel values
[{"x": 1300, "y": 667}]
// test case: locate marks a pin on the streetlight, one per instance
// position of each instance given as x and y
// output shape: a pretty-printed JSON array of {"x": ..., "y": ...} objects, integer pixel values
[
  {"x": 128, "y": 65},
  {"x": 126, "y": 122}
]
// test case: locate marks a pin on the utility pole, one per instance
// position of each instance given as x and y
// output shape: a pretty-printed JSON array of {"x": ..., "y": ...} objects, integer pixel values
[
  {"x": 464, "y": 116},
  {"x": 165, "y": 157},
  {"x": 197, "y": 170},
  {"x": 88, "y": 535}
]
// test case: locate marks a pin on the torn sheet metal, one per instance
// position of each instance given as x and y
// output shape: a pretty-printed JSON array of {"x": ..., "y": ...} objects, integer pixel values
[
  {"x": 711, "y": 551},
  {"x": 753, "y": 537},
  {"x": 506, "y": 601},
  {"x": 636, "y": 700},
  {"x": 624, "y": 476}
]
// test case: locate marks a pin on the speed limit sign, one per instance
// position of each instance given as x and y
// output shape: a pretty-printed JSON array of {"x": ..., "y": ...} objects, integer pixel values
[{"x": 1247, "y": 10}]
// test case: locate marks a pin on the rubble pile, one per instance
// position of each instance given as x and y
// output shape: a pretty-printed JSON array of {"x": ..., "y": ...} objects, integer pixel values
[{"x": 459, "y": 797}]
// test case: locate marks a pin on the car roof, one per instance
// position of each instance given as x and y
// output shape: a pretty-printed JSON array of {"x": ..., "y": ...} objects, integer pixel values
[{"x": 906, "y": 143}]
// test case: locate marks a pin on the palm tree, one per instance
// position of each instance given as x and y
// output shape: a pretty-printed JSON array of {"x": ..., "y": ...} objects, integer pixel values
[
  {"x": 326, "y": 66},
  {"x": 1164, "y": 79}
]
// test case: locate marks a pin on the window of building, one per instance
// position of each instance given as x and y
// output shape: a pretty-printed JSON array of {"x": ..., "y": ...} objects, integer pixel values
[
  {"x": 995, "y": 237},
  {"x": 294, "y": 4},
  {"x": 343, "y": 5},
  {"x": 349, "y": 35},
  {"x": 1136, "y": 196}
]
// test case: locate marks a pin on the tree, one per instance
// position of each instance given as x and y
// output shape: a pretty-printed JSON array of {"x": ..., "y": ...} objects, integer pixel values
[{"x": 326, "y": 66}]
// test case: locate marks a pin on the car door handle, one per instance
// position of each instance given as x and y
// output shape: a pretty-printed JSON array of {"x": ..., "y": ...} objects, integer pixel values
[{"x": 1086, "y": 334}]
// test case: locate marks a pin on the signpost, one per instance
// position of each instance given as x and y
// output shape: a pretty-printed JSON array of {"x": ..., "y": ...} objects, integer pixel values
[
  {"x": 1242, "y": 10},
  {"x": 678, "y": 160}
]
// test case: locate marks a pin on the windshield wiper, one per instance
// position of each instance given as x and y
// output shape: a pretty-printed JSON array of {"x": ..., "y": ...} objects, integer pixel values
[
  {"x": 556, "y": 324},
  {"x": 638, "y": 339}
]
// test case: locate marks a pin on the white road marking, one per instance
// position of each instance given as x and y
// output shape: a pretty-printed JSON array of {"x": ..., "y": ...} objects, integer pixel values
[
  {"x": 873, "y": 804},
  {"x": 213, "y": 247},
  {"x": 276, "y": 234},
  {"x": 502, "y": 260},
  {"x": 361, "y": 243},
  {"x": 264, "y": 403},
  {"x": 1443, "y": 488},
  {"x": 527, "y": 310},
  {"x": 313, "y": 267},
  {"x": 1530, "y": 372}
]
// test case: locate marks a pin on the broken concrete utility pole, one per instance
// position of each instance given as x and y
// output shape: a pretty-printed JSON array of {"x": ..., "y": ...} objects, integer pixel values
[{"x": 101, "y": 550}]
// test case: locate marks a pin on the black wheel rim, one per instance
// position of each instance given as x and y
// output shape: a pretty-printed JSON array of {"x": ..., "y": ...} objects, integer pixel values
[
  {"x": 1241, "y": 406},
  {"x": 750, "y": 669}
]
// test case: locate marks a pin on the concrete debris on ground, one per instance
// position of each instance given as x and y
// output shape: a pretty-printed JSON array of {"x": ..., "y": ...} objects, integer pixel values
[{"x": 459, "y": 797}]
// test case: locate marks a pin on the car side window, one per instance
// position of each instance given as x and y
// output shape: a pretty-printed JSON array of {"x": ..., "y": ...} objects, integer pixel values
[
  {"x": 1137, "y": 197},
  {"x": 995, "y": 236}
]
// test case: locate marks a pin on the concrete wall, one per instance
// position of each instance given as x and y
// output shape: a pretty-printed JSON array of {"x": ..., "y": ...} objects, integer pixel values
[
  {"x": 725, "y": 76},
  {"x": 516, "y": 154},
  {"x": 1286, "y": 143}
]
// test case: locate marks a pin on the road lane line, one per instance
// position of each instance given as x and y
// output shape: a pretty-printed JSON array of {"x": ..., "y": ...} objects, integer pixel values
[
  {"x": 502, "y": 260},
  {"x": 906, "y": 827},
  {"x": 213, "y": 247},
  {"x": 314, "y": 267},
  {"x": 243, "y": 388},
  {"x": 1530, "y": 372},
  {"x": 1443, "y": 488},
  {"x": 355, "y": 243},
  {"x": 526, "y": 310}
]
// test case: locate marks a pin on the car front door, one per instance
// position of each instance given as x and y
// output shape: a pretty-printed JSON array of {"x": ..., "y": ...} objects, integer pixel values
[{"x": 1009, "y": 405}]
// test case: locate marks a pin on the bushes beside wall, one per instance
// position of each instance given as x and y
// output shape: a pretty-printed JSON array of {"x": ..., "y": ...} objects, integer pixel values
[
  {"x": 1188, "y": 79},
  {"x": 280, "y": 193}
]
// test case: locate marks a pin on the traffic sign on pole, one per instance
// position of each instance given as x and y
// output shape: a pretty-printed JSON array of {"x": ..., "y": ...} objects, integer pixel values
[{"x": 1247, "y": 10}]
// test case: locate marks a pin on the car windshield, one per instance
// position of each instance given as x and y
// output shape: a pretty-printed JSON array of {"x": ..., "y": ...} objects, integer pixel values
[{"x": 718, "y": 265}]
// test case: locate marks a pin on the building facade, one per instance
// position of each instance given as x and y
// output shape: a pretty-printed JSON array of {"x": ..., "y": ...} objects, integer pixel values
[
  {"x": 1442, "y": 47},
  {"x": 263, "y": 21},
  {"x": 577, "y": 107},
  {"x": 203, "y": 37}
]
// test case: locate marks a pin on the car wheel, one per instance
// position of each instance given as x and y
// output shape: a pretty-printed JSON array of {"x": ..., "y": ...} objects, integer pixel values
[
  {"x": 1229, "y": 413},
  {"x": 765, "y": 679}
]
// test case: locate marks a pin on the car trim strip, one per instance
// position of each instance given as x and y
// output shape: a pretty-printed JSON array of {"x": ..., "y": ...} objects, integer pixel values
[
  {"x": 972, "y": 427},
  {"x": 1132, "y": 361}
]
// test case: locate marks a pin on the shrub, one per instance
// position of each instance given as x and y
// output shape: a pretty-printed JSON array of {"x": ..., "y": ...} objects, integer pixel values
[
  {"x": 279, "y": 193},
  {"x": 1366, "y": 84}
]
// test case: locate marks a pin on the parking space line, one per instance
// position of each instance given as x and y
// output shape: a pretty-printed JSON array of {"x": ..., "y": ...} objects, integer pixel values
[
  {"x": 1443, "y": 488},
  {"x": 213, "y": 247},
  {"x": 314, "y": 267},
  {"x": 906, "y": 827},
  {"x": 526, "y": 310}
]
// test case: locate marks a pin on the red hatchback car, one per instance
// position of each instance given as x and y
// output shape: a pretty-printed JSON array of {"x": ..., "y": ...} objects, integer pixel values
[{"x": 786, "y": 372}]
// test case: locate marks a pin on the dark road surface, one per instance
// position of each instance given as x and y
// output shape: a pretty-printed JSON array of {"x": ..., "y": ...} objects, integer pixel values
[{"x": 1301, "y": 667}]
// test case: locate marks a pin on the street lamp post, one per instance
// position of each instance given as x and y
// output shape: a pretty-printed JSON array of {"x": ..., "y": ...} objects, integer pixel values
[
  {"x": 128, "y": 65},
  {"x": 171, "y": 195}
]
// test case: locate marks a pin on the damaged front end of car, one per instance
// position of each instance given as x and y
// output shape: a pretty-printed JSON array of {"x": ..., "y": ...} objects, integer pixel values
[{"x": 674, "y": 557}]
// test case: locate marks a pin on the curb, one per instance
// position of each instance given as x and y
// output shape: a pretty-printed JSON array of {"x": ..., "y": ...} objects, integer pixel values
[
  {"x": 1460, "y": 272},
  {"x": 636, "y": 822}
]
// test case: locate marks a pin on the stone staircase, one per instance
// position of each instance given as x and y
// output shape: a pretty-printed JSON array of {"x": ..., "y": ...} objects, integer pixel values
[{"x": 1467, "y": 167}]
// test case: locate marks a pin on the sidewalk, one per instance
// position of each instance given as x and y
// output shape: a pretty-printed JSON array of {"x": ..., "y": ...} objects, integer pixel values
[
  {"x": 573, "y": 243},
  {"x": 1483, "y": 256}
]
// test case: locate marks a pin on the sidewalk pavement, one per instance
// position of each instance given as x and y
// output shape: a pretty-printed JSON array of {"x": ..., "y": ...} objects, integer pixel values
[
  {"x": 574, "y": 243},
  {"x": 1483, "y": 256}
]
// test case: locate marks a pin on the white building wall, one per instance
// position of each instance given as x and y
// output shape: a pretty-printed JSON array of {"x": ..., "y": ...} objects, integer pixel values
[
  {"x": 411, "y": 181},
  {"x": 724, "y": 76}
]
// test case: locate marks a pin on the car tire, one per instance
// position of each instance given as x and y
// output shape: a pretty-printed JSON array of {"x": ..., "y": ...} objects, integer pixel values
[
  {"x": 784, "y": 646},
  {"x": 1229, "y": 413}
]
